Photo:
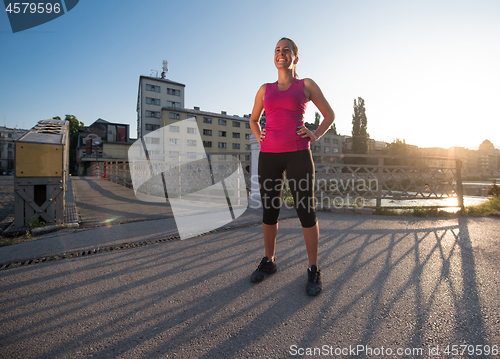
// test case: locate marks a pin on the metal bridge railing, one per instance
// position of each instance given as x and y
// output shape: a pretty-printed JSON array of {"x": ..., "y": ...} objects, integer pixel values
[
  {"x": 195, "y": 176},
  {"x": 378, "y": 177}
]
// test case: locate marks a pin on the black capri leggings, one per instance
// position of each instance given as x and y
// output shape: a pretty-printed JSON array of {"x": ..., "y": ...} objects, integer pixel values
[{"x": 299, "y": 168}]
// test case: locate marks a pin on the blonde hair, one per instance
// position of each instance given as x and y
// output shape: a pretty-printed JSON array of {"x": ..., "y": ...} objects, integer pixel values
[{"x": 295, "y": 51}]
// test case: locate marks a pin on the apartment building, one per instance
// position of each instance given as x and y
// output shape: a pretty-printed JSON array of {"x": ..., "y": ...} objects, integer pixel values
[
  {"x": 156, "y": 93},
  {"x": 160, "y": 103},
  {"x": 220, "y": 133},
  {"x": 7, "y": 138}
]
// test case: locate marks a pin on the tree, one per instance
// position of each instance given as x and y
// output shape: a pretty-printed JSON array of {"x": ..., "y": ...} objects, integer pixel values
[
  {"x": 74, "y": 127},
  {"x": 396, "y": 148},
  {"x": 317, "y": 118},
  {"x": 334, "y": 128},
  {"x": 360, "y": 136}
]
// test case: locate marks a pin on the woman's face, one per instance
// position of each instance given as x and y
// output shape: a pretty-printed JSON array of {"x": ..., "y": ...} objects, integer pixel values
[{"x": 284, "y": 56}]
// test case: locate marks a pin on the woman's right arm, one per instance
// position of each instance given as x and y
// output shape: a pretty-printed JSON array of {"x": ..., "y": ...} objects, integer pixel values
[{"x": 258, "y": 108}]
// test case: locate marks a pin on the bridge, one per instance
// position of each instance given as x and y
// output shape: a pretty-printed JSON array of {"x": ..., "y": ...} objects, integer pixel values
[{"x": 124, "y": 285}]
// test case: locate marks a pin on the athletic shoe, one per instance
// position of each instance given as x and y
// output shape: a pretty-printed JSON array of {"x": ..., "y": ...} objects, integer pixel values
[
  {"x": 263, "y": 269},
  {"x": 314, "y": 285}
]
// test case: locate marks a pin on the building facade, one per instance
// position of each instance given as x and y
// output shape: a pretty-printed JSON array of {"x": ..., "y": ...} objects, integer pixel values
[
  {"x": 154, "y": 94},
  {"x": 102, "y": 141},
  {"x": 7, "y": 153},
  {"x": 160, "y": 103},
  {"x": 220, "y": 133}
]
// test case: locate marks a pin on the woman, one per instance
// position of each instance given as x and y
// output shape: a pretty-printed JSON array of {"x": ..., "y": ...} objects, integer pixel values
[{"x": 285, "y": 148}]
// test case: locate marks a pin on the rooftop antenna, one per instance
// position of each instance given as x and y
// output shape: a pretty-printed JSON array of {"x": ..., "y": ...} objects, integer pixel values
[
  {"x": 152, "y": 73},
  {"x": 164, "y": 69}
]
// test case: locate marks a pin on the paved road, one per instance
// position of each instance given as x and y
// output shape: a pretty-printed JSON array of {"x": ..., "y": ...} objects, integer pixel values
[
  {"x": 100, "y": 201},
  {"x": 389, "y": 282}
]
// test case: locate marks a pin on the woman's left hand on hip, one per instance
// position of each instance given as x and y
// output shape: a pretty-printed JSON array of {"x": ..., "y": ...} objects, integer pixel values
[{"x": 304, "y": 132}]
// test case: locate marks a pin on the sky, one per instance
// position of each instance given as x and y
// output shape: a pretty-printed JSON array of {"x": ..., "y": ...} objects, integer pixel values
[{"x": 428, "y": 70}]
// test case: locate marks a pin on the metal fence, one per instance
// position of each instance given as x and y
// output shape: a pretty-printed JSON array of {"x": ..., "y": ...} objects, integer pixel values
[
  {"x": 341, "y": 180},
  {"x": 397, "y": 178},
  {"x": 194, "y": 176}
]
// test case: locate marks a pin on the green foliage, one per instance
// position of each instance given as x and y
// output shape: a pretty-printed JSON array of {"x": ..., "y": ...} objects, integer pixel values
[
  {"x": 74, "y": 127},
  {"x": 36, "y": 222},
  {"x": 398, "y": 148},
  {"x": 494, "y": 190},
  {"x": 489, "y": 208},
  {"x": 287, "y": 196},
  {"x": 334, "y": 129},
  {"x": 317, "y": 118},
  {"x": 360, "y": 135}
]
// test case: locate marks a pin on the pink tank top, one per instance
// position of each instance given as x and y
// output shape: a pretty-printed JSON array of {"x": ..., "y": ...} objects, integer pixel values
[{"x": 284, "y": 112}]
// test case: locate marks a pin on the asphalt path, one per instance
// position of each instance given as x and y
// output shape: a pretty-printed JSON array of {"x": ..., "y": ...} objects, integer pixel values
[{"x": 391, "y": 284}]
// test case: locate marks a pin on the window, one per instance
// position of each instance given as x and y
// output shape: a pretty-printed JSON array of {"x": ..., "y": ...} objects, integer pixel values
[
  {"x": 335, "y": 150},
  {"x": 247, "y": 125},
  {"x": 151, "y": 127},
  {"x": 247, "y": 136},
  {"x": 222, "y": 145},
  {"x": 173, "y": 104},
  {"x": 222, "y": 133},
  {"x": 236, "y": 135},
  {"x": 192, "y": 118},
  {"x": 154, "y": 114},
  {"x": 152, "y": 88},
  {"x": 326, "y": 139},
  {"x": 154, "y": 153},
  {"x": 207, "y": 132},
  {"x": 10, "y": 154},
  {"x": 191, "y": 155},
  {"x": 173, "y": 92},
  {"x": 10, "y": 145},
  {"x": 236, "y": 124},
  {"x": 173, "y": 128},
  {"x": 174, "y": 141},
  {"x": 9, "y": 135},
  {"x": 153, "y": 140},
  {"x": 327, "y": 149},
  {"x": 174, "y": 116},
  {"x": 248, "y": 147},
  {"x": 335, "y": 141},
  {"x": 236, "y": 146},
  {"x": 221, "y": 157},
  {"x": 191, "y": 130},
  {"x": 222, "y": 122},
  {"x": 153, "y": 101},
  {"x": 173, "y": 153},
  {"x": 191, "y": 142},
  {"x": 247, "y": 157},
  {"x": 207, "y": 120},
  {"x": 207, "y": 143}
]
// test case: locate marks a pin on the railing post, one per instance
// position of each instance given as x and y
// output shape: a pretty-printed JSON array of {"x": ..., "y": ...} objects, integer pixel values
[
  {"x": 380, "y": 176},
  {"x": 460, "y": 190}
]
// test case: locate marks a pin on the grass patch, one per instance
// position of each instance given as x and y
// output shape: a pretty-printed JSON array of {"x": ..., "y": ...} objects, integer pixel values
[
  {"x": 489, "y": 208},
  {"x": 413, "y": 212}
]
